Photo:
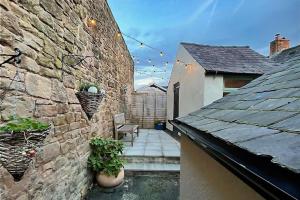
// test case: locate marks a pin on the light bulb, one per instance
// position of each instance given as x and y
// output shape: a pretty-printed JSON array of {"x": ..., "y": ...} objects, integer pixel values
[
  {"x": 149, "y": 60},
  {"x": 92, "y": 22},
  {"x": 161, "y": 54},
  {"x": 142, "y": 45}
]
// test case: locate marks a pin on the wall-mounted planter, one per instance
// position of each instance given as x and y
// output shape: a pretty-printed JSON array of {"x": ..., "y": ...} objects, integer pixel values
[
  {"x": 89, "y": 102},
  {"x": 18, "y": 148}
]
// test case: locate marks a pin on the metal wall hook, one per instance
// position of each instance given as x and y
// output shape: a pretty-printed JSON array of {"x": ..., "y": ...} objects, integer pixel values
[
  {"x": 80, "y": 58},
  {"x": 16, "y": 58}
]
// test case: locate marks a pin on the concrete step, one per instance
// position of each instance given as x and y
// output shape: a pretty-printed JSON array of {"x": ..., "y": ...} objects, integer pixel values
[
  {"x": 152, "y": 167},
  {"x": 153, "y": 159}
]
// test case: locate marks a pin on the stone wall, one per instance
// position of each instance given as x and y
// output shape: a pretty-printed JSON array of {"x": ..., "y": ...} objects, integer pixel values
[{"x": 44, "y": 30}]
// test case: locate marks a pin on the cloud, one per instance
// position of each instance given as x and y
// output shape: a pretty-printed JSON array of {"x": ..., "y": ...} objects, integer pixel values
[
  {"x": 203, "y": 7},
  {"x": 138, "y": 83},
  {"x": 237, "y": 8}
]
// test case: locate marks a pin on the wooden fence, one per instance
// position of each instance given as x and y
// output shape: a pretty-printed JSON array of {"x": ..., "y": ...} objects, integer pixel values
[{"x": 148, "y": 107}]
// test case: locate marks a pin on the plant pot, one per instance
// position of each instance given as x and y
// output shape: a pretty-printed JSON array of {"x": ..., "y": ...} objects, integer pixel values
[
  {"x": 11, "y": 147},
  {"x": 110, "y": 181},
  {"x": 89, "y": 102}
]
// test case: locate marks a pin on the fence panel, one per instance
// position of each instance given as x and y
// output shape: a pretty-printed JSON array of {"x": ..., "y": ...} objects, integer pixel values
[{"x": 148, "y": 107}]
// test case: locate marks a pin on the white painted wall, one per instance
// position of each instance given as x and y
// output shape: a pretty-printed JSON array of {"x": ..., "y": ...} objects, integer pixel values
[
  {"x": 213, "y": 88},
  {"x": 202, "y": 177},
  {"x": 191, "y": 85},
  {"x": 196, "y": 88}
]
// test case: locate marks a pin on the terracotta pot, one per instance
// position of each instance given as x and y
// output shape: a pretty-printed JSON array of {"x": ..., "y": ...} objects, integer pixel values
[{"x": 110, "y": 181}]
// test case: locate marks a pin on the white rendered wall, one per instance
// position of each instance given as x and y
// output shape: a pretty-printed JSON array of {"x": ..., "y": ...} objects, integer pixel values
[
  {"x": 213, "y": 88},
  {"x": 202, "y": 177},
  {"x": 191, "y": 81}
]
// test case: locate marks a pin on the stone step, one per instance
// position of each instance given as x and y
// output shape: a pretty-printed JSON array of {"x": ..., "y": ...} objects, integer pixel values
[
  {"x": 152, "y": 167},
  {"x": 152, "y": 159}
]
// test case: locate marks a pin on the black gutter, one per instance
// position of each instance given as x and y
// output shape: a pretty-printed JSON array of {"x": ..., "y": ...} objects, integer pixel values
[{"x": 268, "y": 179}]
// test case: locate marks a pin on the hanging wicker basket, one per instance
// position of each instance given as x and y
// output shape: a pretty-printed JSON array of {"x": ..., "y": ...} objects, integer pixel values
[
  {"x": 12, "y": 146},
  {"x": 89, "y": 102}
]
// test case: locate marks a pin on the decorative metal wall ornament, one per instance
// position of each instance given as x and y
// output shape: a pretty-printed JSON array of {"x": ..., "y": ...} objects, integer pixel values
[
  {"x": 73, "y": 60},
  {"x": 15, "y": 58}
]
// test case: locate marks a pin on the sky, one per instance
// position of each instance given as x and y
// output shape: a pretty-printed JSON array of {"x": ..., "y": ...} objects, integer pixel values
[{"x": 163, "y": 24}]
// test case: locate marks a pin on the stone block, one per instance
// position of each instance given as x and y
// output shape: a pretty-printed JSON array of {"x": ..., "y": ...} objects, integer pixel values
[
  {"x": 30, "y": 65},
  {"x": 10, "y": 22},
  {"x": 23, "y": 106},
  {"x": 69, "y": 82},
  {"x": 68, "y": 146},
  {"x": 62, "y": 108},
  {"x": 70, "y": 117},
  {"x": 33, "y": 41},
  {"x": 59, "y": 120},
  {"x": 61, "y": 129},
  {"x": 71, "y": 96},
  {"x": 8, "y": 71},
  {"x": 52, "y": 7},
  {"x": 59, "y": 93},
  {"x": 38, "y": 86},
  {"x": 45, "y": 61},
  {"x": 50, "y": 151},
  {"x": 45, "y": 111},
  {"x": 74, "y": 125}
]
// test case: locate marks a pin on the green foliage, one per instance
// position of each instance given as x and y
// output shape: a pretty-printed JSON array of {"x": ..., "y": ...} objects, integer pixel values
[
  {"x": 106, "y": 156},
  {"x": 86, "y": 86},
  {"x": 18, "y": 124}
]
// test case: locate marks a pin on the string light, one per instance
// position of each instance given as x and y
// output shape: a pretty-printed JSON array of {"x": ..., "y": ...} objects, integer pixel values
[
  {"x": 91, "y": 22},
  {"x": 161, "y": 53}
]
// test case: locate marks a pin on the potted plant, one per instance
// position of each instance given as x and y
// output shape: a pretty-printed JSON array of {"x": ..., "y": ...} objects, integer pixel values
[
  {"x": 90, "y": 96},
  {"x": 106, "y": 161},
  {"x": 19, "y": 138}
]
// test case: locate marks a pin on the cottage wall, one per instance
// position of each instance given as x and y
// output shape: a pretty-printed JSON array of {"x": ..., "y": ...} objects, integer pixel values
[
  {"x": 44, "y": 30},
  {"x": 191, "y": 79},
  {"x": 202, "y": 177}
]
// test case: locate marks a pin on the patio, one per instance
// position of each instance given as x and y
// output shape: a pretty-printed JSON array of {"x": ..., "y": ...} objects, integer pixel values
[
  {"x": 153, "y": 150},
  {"x": 151, "y": 171}
]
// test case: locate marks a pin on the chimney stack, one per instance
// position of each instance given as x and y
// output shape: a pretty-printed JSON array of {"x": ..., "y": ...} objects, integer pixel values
[{"x": 279, "y": 44}]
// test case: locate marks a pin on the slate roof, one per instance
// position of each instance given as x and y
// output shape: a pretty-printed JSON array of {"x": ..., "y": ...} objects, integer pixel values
[
  {"x": 262, "y": 117},
  {"x": 162, "y": 88},
  {"x": 229, "y": 59},
  {"x": 286, "y": 54}
]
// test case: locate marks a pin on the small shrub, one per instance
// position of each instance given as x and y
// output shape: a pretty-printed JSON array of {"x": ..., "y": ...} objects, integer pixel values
[
  {"x": 86, "y": 86},
  {"x": 106, "y": 156}
]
